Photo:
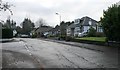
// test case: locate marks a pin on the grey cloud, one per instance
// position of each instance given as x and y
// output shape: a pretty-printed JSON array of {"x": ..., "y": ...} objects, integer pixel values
[{"x": 69, "y": 9}]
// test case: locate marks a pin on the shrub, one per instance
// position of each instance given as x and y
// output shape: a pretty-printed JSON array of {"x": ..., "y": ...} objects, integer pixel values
[
  {"x": 34, "y": 35},
  {"x": 91, "y": 32},
  {"x": 68, "y": 38},
  {"x": 62, "y": 37},
  {"x": 100, "y": 34}
]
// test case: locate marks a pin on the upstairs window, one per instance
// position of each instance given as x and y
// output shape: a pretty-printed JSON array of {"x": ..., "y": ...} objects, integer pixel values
[{"x": 90, "y": 22}]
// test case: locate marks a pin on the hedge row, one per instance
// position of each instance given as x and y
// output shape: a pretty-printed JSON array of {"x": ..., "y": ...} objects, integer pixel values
[
  {"x": 7, "y": 33},
  {"x": 85, "y": 41},
  {"x": 113, "y": 44}
]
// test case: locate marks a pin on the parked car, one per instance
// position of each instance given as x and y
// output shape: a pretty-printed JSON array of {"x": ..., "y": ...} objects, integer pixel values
[
  {"x": 82, "y": 34},
  {"x": 24, "y": 36},
  {"x": 46, "y": 34}
]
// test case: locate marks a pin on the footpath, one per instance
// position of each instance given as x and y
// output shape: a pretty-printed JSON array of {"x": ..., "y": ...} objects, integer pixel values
[
  {"x": 6, "y": 40},
  {"x": 86, "y": 46}
]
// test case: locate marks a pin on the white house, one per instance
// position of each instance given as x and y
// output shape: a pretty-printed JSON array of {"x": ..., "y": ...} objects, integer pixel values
[
  {"x": 14, "y": 32},
  {"x": 82, "y": 26}
]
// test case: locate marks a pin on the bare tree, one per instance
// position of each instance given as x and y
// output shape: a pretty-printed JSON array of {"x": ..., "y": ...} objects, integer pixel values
[
  {"x": 4, "y": 6},
  {"x": 40, "y": 22}
]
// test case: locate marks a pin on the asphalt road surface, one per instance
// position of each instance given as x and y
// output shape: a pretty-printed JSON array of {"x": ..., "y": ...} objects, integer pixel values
[{"x": 36, "y": 53}]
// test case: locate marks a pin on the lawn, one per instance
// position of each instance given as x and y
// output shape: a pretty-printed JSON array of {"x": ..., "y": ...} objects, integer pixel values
[{"x": 100, "y": 39}]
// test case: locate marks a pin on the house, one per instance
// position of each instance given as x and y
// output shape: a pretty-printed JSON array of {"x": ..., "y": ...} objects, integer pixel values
[
  {"x": 99, "y": 28},
  {"x": 60, "y": 30},
  {"x": 54, "y": 31},
  {"x": 33, "y": 32},
  {"x": 14, "y": 32},
  {"x": 70, "y": 30},
  {"x": 82, "y": 26},
  {"x": 63, "y": 27},
  {"x": 40, "y": 31}
]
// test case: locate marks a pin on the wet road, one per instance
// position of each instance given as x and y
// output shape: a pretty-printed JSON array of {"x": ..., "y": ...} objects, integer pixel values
[{"x": 36, "y": 53}]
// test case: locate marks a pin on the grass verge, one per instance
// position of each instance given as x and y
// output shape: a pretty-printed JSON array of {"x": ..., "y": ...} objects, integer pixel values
[{"x": 99, "y": 39}]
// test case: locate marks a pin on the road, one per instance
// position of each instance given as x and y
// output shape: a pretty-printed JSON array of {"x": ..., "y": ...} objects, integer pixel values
[{"x": 37, "y": 53}]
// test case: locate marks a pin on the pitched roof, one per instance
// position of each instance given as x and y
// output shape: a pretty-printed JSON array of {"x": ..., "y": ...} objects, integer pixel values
[
  {"x": 72, "y": 26},
  {"x": 55, "y": 29},
  {"x": 86, "y": 20},
  {"x": 43, "y": 28}
]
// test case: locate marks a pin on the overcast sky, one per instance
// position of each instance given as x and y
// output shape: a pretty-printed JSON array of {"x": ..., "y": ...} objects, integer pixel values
[{"x": 46, "y": 9}]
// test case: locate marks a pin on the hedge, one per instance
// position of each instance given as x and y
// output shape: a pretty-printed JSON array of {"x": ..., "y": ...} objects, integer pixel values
[{"x": 7, "y": 33}]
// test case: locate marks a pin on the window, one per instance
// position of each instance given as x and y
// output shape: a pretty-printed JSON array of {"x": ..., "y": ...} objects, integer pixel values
[{"x": 90, "y": 22}]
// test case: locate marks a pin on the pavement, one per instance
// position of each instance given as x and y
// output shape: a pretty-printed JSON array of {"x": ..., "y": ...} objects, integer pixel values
[{"x": 6, "y": 40}]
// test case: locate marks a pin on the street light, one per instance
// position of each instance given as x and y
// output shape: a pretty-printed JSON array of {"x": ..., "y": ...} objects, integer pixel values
[
  {"x": 60, "y": 22},
  {"x": 59, "y": 16}
]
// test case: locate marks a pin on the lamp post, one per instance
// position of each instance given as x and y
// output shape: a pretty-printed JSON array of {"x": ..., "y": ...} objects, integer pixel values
[
  {"x": 60, "y": 22},
  {"x": 59, "y": 16}
]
